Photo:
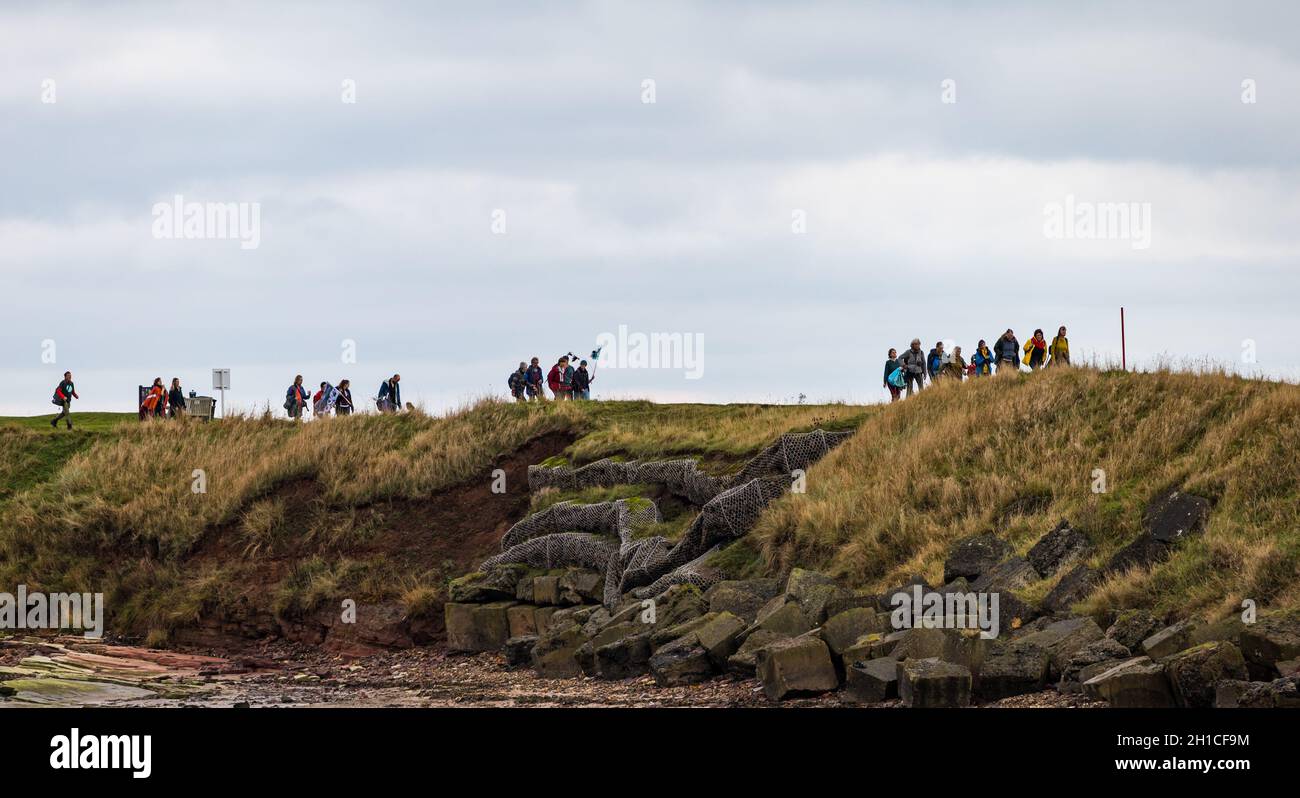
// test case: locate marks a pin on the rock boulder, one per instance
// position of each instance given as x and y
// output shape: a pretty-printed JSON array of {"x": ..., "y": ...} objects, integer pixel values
[
  {"x": 795, "y": 666},
  {"x": 931, "y": 682}
]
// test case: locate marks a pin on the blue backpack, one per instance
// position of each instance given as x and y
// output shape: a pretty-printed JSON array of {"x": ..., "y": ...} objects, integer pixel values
[{"x": 896, "y": 378}]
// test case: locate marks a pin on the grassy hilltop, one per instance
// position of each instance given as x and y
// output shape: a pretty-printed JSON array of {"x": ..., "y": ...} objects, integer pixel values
[
  {"x": 388, "y": 508},
  {"x": 1014, "y": 457}
]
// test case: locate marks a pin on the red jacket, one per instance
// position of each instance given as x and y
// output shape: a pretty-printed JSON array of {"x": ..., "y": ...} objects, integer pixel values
[{"x": 553, "y": 379}]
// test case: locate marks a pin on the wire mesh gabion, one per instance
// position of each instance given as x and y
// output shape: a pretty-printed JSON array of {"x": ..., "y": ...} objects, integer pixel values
[{"x": 605, "y": 536}]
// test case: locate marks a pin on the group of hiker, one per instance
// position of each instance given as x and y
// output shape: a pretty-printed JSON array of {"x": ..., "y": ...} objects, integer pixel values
[
  {"x": 566, "y": 381},
  {"x": 162, "y": 402},
  {"x": 911, "y": 370},
  {"x": 338, "y": 398}
]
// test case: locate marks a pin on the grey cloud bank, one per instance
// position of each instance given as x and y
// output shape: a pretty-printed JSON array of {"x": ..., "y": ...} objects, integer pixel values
[{"x": 922, "y": 218}]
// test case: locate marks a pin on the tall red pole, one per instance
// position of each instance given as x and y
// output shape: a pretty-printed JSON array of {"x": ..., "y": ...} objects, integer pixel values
[{"x": 1123, "y": 350}]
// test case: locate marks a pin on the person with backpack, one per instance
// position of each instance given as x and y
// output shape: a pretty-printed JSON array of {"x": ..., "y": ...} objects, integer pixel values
[
  {"x": 155, "y": 400},
  {"x": 518, "y": 382},
  {"x": 934, "y": 360},
  {"x": 560, "y": 380},
  {"x": 295, "y": 399},
  {"x": 1059, "y": 350},
  {"x": 1036, "y": 351},
  {"x": 581, "y": 381},
  {"x": 390, "y": 395},
  {"x": 533, "y": 382},
  {"x": 893, "y": 369},
  {"x": 982, "y": 360},
  {"x": 1007, "y": 351},
  {"x": 913, "y": 364},
  {"x": 176, "y": 399},
  {"x": 64, "y": 393},
  {"x": 343, "y": 403}
]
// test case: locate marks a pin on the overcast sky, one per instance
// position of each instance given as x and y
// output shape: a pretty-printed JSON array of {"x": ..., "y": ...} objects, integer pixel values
[{"x": 803, "y": 192}]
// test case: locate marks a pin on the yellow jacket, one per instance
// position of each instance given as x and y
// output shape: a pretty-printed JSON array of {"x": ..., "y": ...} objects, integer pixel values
[
  {"x": 1060, "y": 348},
  {"x": 1029, "y": 350}
]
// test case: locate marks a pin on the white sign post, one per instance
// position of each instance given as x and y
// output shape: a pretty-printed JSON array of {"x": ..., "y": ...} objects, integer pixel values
[{"x": 221, "y": 382}]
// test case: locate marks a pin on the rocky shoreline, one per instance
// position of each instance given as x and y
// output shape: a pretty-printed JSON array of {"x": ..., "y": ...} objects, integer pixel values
[{"x": 808, "y": 636}]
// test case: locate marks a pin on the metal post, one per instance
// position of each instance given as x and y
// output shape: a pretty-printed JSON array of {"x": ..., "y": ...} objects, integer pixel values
[{"x": 1123, "y": 347}]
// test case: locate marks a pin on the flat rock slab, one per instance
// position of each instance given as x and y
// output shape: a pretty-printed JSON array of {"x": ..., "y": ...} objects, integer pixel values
[
  {"x": 796, "y": 666},
  {"x": 1137, "y": 682},
  {"x": 1014, "y": 668},
  {"x": 477, "y": 627},
  {"x": 1176, "y": 515},
  {"x": 933, "y": 683},
  {"x": 973, "y": 556},
  {"x": 1194, "y": 673},
  {"x": 681, "y": 662},
  {"x": 1013, "y": 574},
  {"x": 1061, "y": 548},
  {"x": 1169, "y": 640},
  {"x": 871, "y": 682},
  {"x": 1272, "y": 639}
]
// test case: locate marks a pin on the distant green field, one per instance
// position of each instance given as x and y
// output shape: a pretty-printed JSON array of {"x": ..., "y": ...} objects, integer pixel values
[{"x": 89, "y": 422}]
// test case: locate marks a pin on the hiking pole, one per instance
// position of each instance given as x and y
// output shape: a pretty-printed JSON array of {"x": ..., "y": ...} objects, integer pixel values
[{"x": 1123, "y": 349}]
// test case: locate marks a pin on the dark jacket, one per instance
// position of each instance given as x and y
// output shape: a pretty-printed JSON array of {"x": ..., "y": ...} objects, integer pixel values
[
  {"x": 516, "y": 381},
  {"x": 343, "y": 404},
  {"x": 296, "y": 395},
  {"x": 391, "y": 391},
  {"x": 176, "y": 397},
  {"x": 65, "y": 391},
  {"x": 581, "y": 379},
  {"x": 1007, "y": 349},
  {"x": 534, "y": 377},
  {"x": 890, "y": 365}
]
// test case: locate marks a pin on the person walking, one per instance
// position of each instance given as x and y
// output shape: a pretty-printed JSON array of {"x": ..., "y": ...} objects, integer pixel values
[
  {"x": 1059, "y": 350},
  {"x": 176, "y": 399},
  {"x": 518, "y": 382},
  {"x": 582, "y": 381},
  {"x": 155, "y": 400},
  {"x": 533, "y": 382},
  {"x": 1007, "y": 352},
  {"x": 913, "y": 363},
  {"x": 390, "y": 395},
  {"x": 1036, "y": 351},
  {"x": 343, "y": 403},
  {"x": 934, "y": 360},
  {"x": 64, "y": 393},
  {"x": 955, "y": 365},
  {"x": 295, "y": 399},
  {"x": 560, "y": 380},
  {"x": 982, "y": 360},
  {"x": 892, "y": 365}
]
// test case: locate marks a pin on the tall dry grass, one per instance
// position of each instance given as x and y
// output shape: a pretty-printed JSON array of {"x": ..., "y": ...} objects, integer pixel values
[
  {"x": 727, "y": 432},
  {"x": 138, "y": 488},
  {"x": 1014, "y": 455}
]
